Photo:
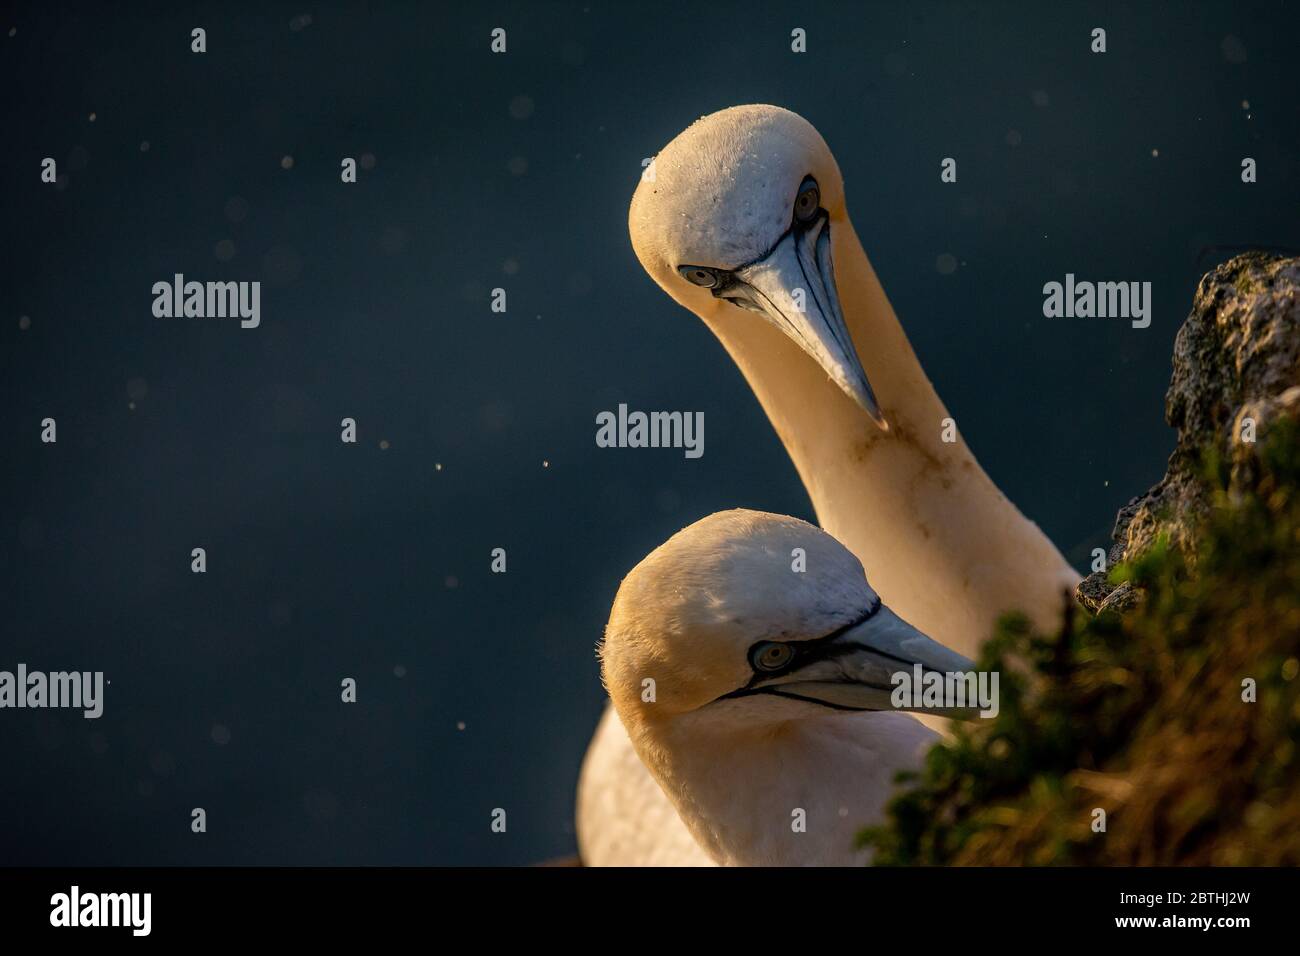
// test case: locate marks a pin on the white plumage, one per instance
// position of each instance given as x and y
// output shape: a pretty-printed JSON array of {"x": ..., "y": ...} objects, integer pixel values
[
  {"x": 759, "y": 696},
  {"x": 944, "y": 546}
]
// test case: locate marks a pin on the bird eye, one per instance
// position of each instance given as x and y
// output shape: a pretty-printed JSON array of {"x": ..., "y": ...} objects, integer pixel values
[
  {"x": 771, "y": 656},
  {"x": 698, "y": 275},
  {"x": 808, "y": 201}
]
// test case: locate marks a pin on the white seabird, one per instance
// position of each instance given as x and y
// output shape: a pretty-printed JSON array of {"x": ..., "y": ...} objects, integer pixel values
[
  {"x": 744, "y": 222},
  {"x": 759, "y": 697}
]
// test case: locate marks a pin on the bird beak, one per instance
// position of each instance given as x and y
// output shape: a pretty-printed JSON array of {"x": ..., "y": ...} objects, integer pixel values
[
  {"x": 794, "y": 288},
  {"x": 857, "y": 669}
]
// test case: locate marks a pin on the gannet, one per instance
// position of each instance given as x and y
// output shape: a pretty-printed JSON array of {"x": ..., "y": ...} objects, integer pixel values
[
  {"x": 760, "y": 697},
  {"x": 743, "y": 222}
]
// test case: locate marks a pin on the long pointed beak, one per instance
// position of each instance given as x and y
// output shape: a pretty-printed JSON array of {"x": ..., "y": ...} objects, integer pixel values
[
  {"x": 794, "y": 288},
  {"x": 859, "y": 669}
]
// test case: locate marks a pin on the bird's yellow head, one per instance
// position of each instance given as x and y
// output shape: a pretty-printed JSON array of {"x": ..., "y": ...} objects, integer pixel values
[
  {"x": 737, "y": 212},
  {"x": 755, "y": 618}
]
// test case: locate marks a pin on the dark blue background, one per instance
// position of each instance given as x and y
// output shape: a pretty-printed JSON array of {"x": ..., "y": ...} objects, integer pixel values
[{"x": 327, "y": 560}]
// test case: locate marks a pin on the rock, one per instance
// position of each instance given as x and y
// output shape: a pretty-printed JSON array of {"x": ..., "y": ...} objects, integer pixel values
[{"x": 1236, "y": 370}]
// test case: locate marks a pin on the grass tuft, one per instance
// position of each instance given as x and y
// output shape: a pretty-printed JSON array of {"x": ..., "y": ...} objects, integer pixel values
[{"x": 1139, "y": 715}]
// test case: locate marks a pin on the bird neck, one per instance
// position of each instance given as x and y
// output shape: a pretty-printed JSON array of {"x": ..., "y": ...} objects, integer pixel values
[
  {"x": 937, "y": 539},
  {"x": 788, "y": 794}
]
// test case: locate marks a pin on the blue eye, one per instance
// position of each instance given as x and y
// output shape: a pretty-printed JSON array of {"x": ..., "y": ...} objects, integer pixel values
[
  {"x": 700, "y": 276},
  {"x": 808, "y": 201},
  {"x": 771, "y": 656}
]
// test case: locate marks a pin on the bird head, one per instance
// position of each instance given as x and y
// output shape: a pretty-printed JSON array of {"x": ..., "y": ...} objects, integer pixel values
[
  {"x": 757, "y": 617},
  {"x": 737, "y": 213}
]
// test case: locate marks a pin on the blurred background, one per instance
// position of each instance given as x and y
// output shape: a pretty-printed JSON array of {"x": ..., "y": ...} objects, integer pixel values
[{"x": 476, "y": 429}]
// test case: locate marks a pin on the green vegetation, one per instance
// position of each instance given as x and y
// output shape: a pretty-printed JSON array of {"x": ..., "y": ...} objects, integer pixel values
[{"x": 1140, "y": 714}]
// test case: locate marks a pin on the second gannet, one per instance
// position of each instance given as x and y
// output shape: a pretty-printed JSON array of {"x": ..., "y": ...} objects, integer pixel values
[{"x": 759, "y": 697}]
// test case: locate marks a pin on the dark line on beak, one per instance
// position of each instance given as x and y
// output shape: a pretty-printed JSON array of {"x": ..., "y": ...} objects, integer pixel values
[
  {"x": 804, "y": 272},
  {"x": 831, "y": 292},
  {"x": 784, "y": 318},
  {"x": 898, "y": 660}
]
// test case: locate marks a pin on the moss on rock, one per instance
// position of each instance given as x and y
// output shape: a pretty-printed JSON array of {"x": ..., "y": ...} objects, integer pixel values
[{"x": 1236, "y": 357}]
